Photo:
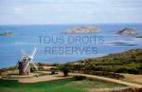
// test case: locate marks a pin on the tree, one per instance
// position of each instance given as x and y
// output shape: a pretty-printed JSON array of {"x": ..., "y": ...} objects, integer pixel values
[{"x": 65, "y": 70}]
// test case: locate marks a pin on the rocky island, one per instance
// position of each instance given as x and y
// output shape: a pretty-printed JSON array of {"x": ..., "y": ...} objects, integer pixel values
[
  {"x": 6, "y": 34},
  {"x": 128, "y": 32},
  {"x": 83, "y": 29}
]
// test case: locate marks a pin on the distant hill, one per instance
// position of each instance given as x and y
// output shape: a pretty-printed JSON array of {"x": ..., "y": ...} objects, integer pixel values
[{"x": 125, "y": 62}]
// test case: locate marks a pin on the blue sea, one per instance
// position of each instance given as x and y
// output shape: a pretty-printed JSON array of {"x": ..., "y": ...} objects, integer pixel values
[{"x": 27, "y": 37}]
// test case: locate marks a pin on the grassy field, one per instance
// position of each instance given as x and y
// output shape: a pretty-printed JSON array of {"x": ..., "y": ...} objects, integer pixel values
[
  {"x": 124, "y": 62},
  {"x": 68, "y": 85}
]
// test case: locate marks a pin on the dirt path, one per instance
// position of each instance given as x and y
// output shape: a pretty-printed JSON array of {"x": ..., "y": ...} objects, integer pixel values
[
  {"x": 59, "y": 76},
  {"x": 109, "y": 80},
  {"x": 133, "y": 78},
  {"x": 42, "y": 78}
]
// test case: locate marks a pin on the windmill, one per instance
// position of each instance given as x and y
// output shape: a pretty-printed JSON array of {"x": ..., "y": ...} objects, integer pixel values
[{"x": 25, "y": 62}]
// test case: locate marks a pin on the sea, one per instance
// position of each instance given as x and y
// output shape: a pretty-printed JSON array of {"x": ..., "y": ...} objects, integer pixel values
[{"x": 54, "y": 45}]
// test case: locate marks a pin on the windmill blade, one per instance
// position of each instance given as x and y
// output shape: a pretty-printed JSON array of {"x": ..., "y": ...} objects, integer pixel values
[
  {"x": 26, "y": 67},
  {"x": 34, "y": 65},
  {"x": 33, "y": 54}
]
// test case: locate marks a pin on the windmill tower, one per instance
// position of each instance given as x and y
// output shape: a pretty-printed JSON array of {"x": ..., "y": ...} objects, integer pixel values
[{"x": 25, "y": 62}]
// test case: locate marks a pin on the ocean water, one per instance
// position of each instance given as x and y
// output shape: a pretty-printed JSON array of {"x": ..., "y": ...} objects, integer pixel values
[{"x": 43, "y": 37}]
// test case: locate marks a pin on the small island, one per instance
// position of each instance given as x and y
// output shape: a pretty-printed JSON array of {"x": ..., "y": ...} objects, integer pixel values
[
  {"x": 83, "y": 29},
  {"x": 122, "y": 44},
  {"x": 128, "y": 32},
  {"x": 6, "y": 34},
  {"x": 139, "y": 36}
]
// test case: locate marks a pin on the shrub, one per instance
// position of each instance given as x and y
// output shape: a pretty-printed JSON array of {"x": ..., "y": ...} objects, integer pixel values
[{"x": 79, "y": 77}]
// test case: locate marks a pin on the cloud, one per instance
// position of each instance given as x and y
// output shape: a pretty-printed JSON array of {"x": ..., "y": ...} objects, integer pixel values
[{"x": 70, "y": 12}]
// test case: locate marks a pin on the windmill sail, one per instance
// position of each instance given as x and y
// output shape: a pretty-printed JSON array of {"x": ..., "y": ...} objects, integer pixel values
[
  {"x": 34, "y": 65},
  {"x": 33, "y": 54},
  {"x": 25, "y": 62}
]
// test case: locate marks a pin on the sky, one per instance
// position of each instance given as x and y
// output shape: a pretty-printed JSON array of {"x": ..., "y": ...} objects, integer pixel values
[{"x": 70, "y": 11}]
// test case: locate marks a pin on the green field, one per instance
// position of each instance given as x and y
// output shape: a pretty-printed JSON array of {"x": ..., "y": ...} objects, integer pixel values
[{"x": 68, "y": 85}]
